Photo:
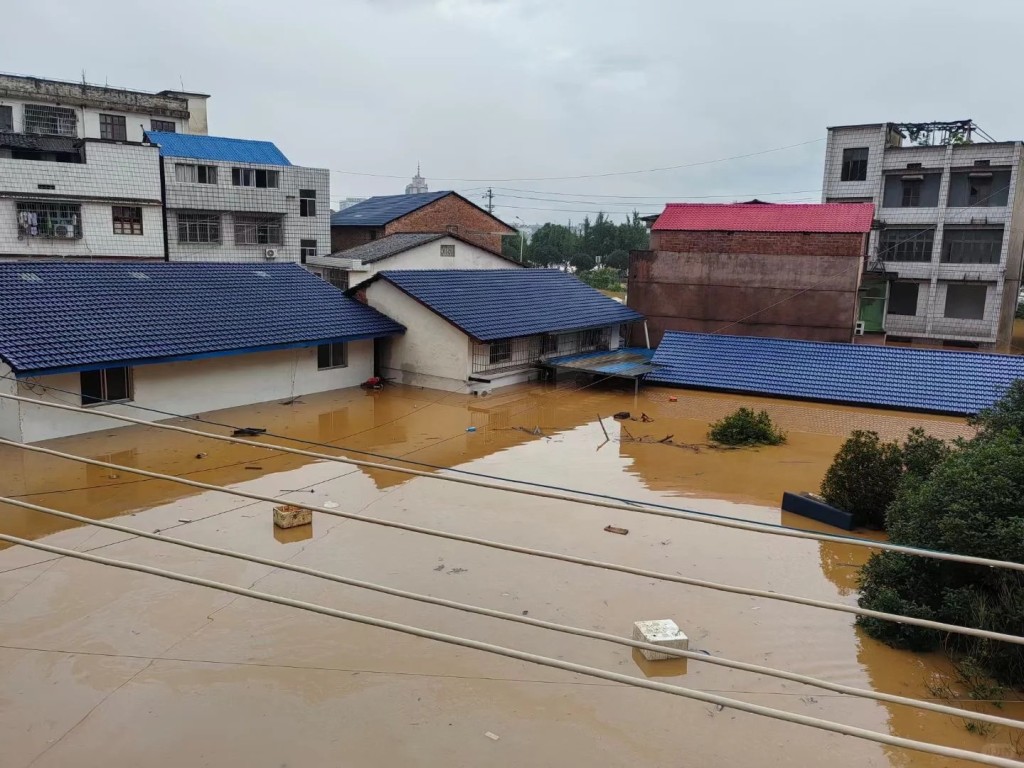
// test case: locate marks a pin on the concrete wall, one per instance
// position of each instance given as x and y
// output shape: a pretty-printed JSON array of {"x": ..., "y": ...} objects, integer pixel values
[
  {"x": 427, "y": 256},
  {"x": 10, "y": 410},
  {"x": 112, "y": 174},
  {"x": 786, "y": 285},
  {"x": 188, "y": 387},
  {"x": 226, "y": 199},
  {"x": 432, "y": 353},
  {"x": 88, "y": 119}
]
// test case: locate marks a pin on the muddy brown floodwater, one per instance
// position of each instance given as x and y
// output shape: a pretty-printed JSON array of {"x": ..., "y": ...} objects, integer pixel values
[{"x": 102, "y": 667}]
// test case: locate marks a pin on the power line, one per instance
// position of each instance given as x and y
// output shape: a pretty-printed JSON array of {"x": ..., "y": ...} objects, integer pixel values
[
  {"x": 596, "y": 175},
  {"x": 689, "y": 693},
  {"x": 625, "y": 203},
  {"x": 626, "y": 506},
  {"x": 652, "y": 197},
  {"x": 530, "y": 621},
  {"x": 675, "y": 578}
]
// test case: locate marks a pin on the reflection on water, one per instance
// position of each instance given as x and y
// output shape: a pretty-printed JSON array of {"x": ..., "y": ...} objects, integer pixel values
[{"x": 543, "y": 435}]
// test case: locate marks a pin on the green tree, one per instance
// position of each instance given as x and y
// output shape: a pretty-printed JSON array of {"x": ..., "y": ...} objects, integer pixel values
[
  {"x": 617, "y": 259},
  {"x": 745, "y": 427},
  {"x": 864, "y": 477},
  {"x": 583, "y": 262}
]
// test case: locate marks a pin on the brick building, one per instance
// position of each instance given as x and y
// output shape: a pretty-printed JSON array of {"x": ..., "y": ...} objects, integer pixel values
[
  {"x": 432, "y": 212},
  {"x": 752, "y": 269}
]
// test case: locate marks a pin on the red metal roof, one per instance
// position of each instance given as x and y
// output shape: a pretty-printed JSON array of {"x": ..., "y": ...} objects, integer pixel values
[{"x": 767, "y": 217}]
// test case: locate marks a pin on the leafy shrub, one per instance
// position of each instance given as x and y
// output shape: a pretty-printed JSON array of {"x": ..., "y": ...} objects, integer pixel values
[
  {"x": 744, "y": 427},
  {"x": 603, "y": 279}
]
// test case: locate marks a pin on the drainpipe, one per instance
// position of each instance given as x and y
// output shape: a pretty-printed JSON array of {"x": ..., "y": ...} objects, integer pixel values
[
  {"x": 647, "y": 335},
  {"x": 163, "y": 210}
]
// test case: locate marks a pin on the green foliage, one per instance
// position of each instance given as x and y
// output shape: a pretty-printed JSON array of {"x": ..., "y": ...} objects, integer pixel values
[
  {"x": 867, "y": 473},
  {"x": 972, "y": 503},
  {"x": 744, "y": 427},
  {"x": 617, "y": 259},
  {"x": 1007, "y": 415},
  {"x": 511, "y": 245},
  {"x": 602, "y": 279},
  {"x": 557, "y": 244},
  {"x": 582, "y": 262}
]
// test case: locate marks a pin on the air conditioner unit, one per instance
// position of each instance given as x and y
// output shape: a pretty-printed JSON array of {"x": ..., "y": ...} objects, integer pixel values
[
  {"x": 858, "y": 329},
  {"x": 270, "y": 254}
]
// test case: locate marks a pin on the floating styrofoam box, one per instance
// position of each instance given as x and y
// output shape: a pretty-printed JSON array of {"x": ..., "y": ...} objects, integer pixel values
[
  {"x": 662, "y": 632},
  {"x": 287, "y": 516}
]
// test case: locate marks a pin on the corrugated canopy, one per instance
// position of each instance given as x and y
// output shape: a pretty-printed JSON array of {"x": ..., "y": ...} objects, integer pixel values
[
  {"x": 217, "y": 148},
  {"x": 766, "y": 217}
]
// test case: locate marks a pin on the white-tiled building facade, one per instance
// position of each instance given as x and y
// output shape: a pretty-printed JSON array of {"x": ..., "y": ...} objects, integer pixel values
[{"x": 944, "y": 263}]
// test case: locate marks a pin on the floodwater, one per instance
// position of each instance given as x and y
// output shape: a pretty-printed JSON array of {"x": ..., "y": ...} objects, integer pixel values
[{"x": 102, "y": 667}]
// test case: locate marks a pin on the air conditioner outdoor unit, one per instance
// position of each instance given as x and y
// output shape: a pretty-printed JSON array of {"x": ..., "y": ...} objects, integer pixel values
[
  {"x": 858, "y": 329},
  {"x": 270, "y": 254}
]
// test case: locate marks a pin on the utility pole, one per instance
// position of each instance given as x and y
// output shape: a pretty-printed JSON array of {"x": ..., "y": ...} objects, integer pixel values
[{"x": 490, "y": 200}]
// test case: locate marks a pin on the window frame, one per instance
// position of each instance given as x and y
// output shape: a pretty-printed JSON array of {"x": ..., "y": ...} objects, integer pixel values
[
  {"x": 128, "y": 223},
  {"x": 447, "y": 250},
  {"x": 984, "y": 301},
  {"x": 166, "y": 126},
  {"x": 62, "y": 120},
  {"x": 307, "y": 203},
  {"x": 249, "y": 228},
  {"x": 199, "y": 220},
  {"x": 250, "y": 177},
  {"x": 909, "y": 247},
  {"x": 306, "y": 250},
  {"x": 194, "y": 173},
  {"x": 917, "y": 298},
  {"x": 110, "y": 127},
  {"x": 499, "y": 351},
  {"x": 854, "y": 168},
  {"x": 910, "y": 194},
  {"x": 329, "y": 353},
  {"x": 6, "y": 123},
  {"x": 55, "y": 214},
  {"x": 966, "y": 245},
  {"x": 103, "y": 379}
]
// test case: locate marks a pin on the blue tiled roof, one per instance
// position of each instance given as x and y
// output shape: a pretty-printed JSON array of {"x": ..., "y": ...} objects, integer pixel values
[
  {"x": 217, "y": 148},
  {"x": 378, "y": 211},
  {"x": 77, "y": 316},
  {"x": 893, "y": 377},
  {"x": 493, "y": 304}
]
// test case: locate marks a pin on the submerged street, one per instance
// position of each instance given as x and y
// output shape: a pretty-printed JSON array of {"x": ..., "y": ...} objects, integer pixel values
[{"x": 157, "y": 673}]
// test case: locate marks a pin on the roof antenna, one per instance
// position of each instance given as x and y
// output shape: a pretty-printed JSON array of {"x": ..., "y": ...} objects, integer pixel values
[{"x": 181, "y": 81}]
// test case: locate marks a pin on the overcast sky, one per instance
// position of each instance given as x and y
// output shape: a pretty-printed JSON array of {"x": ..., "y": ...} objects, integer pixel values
[{"x": 489, "y": 90}]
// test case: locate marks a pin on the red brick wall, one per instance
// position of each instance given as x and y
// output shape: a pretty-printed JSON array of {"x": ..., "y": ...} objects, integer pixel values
[
  {"x": 786, "y": 285},
  {"x": 343, "y": 238},
  {"x": 473, "y": 223}
]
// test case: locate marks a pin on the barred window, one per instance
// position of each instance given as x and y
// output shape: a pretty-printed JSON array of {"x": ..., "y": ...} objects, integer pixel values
[
  {"x": 254, "y": 177},
  {"x": 164, "y": 126},
  {"x": 258, "y": 230},
  {"x": 54, "y": 121},
  {"x": 113, "y": 127},
  {"x": 127, "y": 219},
  {"x": 195, "y": 174},
  {"x": 57, "y": 220},
  {"x": 198, "y": 227},
  {"x": 448, "y": 251},
  {"x": 972, "y": 246},
  {"x": 906, "y": 245},
  {"x": 500, "y": 351}
]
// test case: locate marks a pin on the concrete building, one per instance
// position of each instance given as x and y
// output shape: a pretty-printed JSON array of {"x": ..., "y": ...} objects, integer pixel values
[
  {"x": 240, "y": 200},
  {"x": 77, "y": 178},
  {"x": 181, "y": 338},
  {"x": 756, "y": 269},
  {"x": 473, "y": 330},
  {"x": 402, "y": 252},
  {"x": 432, "y": 212},
  {"x": 944, "y": 264},
  {"x": 418, "y": 186}
]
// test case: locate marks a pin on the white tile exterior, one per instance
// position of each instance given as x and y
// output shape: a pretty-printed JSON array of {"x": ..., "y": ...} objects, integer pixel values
[
  {"x": 112, "y": 174},
  {"x": 229, "y": 201},
  {"x": 888, "y": 154},
  {"x": 187, "y": 387}
]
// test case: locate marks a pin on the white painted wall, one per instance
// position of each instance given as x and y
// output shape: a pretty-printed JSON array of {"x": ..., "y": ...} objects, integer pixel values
[
  {"x": 88, "y": 119},
  {"x": 10, "y": 410},
  {"x": 432, "y": 353},
  {"x": 227, "y": 199},
  {"x": 188, "y": 387},
  {"x": 123, "y": 174},
  {"x": 426, "y": 256}
]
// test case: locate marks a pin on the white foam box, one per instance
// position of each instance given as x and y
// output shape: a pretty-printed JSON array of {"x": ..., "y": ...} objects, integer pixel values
[
  {"x": 662, "y": 632},
  {"x": 287, "y": 516}
]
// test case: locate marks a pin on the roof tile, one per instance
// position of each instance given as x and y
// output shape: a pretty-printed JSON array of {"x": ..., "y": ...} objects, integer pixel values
[
  {"x": 220, "y": 148},
  {"x": 766, "y": 217},
  {"x": 378, "y": 211}
]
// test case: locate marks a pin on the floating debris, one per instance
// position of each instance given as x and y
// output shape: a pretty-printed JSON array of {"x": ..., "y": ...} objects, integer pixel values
[
  {"x": 248, "y": 432},
  {"x": 616, "y": 529}
]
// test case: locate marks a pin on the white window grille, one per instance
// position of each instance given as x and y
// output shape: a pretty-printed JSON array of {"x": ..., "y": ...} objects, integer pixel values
[
  {"x": 258, "y": 230},
  {"x": 56, "y": 220},
  {"x": 53, "y": 121},
  {"x": 198, "y": 227}
]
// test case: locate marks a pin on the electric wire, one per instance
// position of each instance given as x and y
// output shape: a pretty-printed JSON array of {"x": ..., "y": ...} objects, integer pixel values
[
  {"x": 675, "y": 578},
  {"x": 520, "y": 619},
  {"x": 531, "y": 658}
]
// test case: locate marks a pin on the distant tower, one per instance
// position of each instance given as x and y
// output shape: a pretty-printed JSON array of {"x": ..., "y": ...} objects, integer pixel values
[{"x": 419, "y": 184}]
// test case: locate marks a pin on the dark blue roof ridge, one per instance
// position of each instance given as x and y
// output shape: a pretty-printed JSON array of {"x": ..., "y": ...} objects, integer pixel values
[
  {"x": 383, "y": 209},
  {"x": 490, "y": 304},
  {"x": 217, "y": 148},
  {"x": 68, "y": 316}
]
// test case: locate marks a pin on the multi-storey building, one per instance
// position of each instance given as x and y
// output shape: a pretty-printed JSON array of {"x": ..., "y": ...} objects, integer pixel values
[
  {"x": 240, "y": 200},
  {"x": 77, "y": 177},
  {"x": 944, "y": 257}
]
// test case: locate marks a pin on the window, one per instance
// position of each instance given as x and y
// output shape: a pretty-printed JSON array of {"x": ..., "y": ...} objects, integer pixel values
[
  {"x": 307, "y": 202},
  {"x": 307, "y": 248},
  {"x": 906, "y": 245},
  {"x": 54, "y": 121},
  {"x": 337, "y": 277},
  {"x": 6, "y": 118},
  {"x": 448, "y": 251},
  {"x": 127, "y": 220},
  {"x": 972, "y": 246},
  {"x": 332, "y": 355},
  {"x": 965, "y": 301},
  {"x": 911, "y": 193},
  {"x": 903, "y": 298},
  {"x": 198, "y": 227},
  {"x": 113, "y": 127},
  {"x": 979, "y": 189},
  {"x": 57, "y": 220},
  {"x": 195, "y": 174},
  {"x": 254, "y": 177},
  {"x": 855, "y": 164},
  {"x": 258, "y": 230},
  {"x": 452, "y": 229},
  {"x": 111, "y": 385},
  {"x": 499, "y": 351},
  {"x": 166, "y": 126}
]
